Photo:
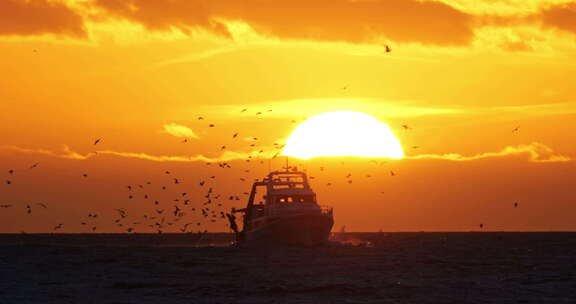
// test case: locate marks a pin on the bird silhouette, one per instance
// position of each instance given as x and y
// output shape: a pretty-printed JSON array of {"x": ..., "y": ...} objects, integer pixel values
[
  {"x": 11, "y": 171},
  {"x": 97, "y": 141},
  {"x": 34, "y": 165},
  {"x": 516, "y": 129},
  {"x": 406, "y": 127},
  {"x": 481, "y": 226},
  {"x": 211, "y": 125},
  {"x": 243, "y": 110},
  {"x": 235, "y": 135},
  {"x": 8, "y": 182},
  {"x": 42, "y": 205},
  {"x": 388, "y": 49},
  {"x": 515, "y": 204}
]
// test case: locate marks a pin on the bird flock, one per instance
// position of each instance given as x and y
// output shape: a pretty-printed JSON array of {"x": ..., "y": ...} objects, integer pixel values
[{"x": 183, "y": 212}]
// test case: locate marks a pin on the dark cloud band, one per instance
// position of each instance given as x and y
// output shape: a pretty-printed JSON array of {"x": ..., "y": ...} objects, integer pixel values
[{"x": 37, "y": 17}]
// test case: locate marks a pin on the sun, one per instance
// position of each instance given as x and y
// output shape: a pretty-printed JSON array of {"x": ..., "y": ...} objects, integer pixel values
[{"x": 342, "y": 133}]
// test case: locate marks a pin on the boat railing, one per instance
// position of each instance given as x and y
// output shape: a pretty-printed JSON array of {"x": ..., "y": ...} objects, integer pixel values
[{"x": 295, "y": 208}]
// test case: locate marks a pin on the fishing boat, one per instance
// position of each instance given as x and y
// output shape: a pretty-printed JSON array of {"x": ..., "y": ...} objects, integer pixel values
[{"x": 287, "y": 214}]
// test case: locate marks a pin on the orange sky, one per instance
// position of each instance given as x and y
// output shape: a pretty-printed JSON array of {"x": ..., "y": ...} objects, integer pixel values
[{"x": 138, "y": 74}]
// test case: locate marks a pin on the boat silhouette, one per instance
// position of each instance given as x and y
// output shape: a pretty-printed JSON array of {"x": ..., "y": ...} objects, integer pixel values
[{"x": 288, "y": 214}]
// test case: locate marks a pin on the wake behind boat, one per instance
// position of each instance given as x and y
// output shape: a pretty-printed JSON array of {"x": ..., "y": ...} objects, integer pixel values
[{"x": 287, "y": 214}]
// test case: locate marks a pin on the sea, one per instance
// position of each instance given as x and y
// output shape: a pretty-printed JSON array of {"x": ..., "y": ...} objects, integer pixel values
[{"x": 382, "y": 267}]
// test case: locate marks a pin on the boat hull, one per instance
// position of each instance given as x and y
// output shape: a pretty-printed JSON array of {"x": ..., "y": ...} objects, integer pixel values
[{"x": 297, "y": 230}]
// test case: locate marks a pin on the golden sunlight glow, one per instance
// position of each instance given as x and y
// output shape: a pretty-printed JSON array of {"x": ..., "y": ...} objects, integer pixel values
[{"x": 343, "y": 133}]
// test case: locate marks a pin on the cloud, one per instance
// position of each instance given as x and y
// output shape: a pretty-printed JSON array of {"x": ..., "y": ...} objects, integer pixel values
[
  {"x": 502, "y": 7},
  {"x": 293, "y": 108},
  {"x": 179, "y": 131},
  {"x": 562, "y": 17},
  {"x": 536, "y": 152},
  {"x": 38, "y": 17},
  {"x": 321, "y": 20},
  {"x": 165, "y": 15},
  {"x": 67, "y": 153}
]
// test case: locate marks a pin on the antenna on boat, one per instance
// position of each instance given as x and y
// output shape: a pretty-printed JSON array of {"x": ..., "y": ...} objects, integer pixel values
[{"x": 287, "y": 168}]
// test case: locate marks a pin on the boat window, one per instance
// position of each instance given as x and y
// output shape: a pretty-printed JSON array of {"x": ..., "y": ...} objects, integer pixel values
[
  {"x": 282, "y": 200},
  {"x": 305, "y": 199},
  {"x": 289, "y": 199}
]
